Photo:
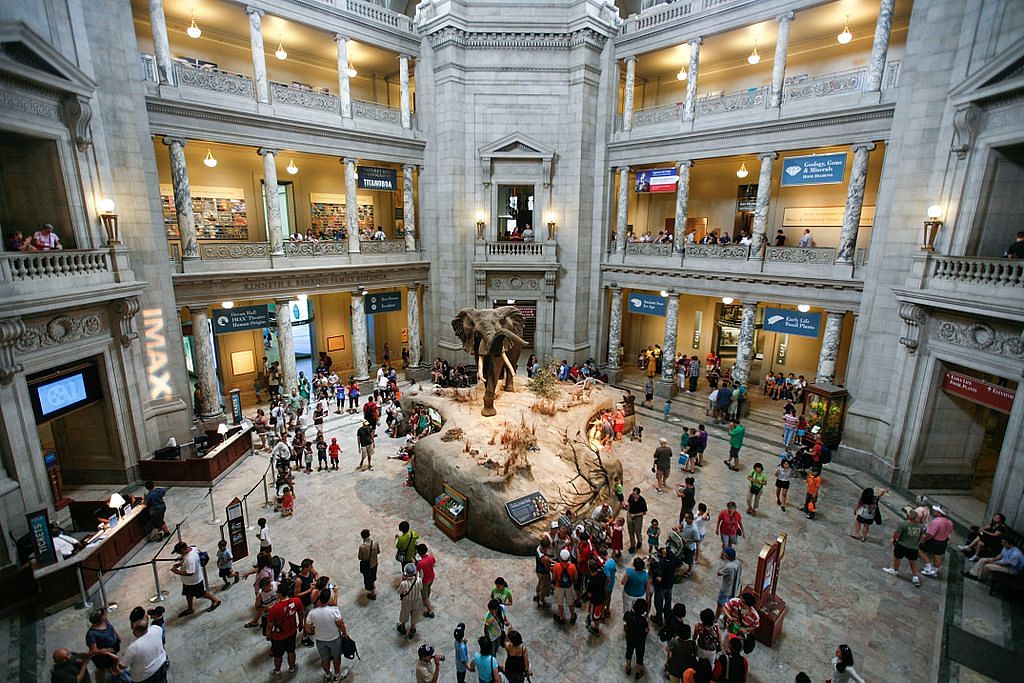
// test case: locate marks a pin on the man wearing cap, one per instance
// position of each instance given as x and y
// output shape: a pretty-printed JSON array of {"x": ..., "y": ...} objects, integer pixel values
[
  {"x": 364, "y": 437},
  {"x": 933, "y": 543},
  {"x": 564, "y": 576},
  {"x": 428, "y": 668},
  {"x": 662, "y": 463},
  {"x": 190, "y": 570}
]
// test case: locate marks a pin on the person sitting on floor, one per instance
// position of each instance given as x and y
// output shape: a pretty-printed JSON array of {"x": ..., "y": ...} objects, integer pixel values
[{"x": 1009, "y": 561}]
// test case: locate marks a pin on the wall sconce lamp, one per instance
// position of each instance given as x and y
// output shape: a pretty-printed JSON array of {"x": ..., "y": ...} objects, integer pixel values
[
  {"x": 931, "y": 227},
  {"x": 109, "y": 218},
  {"x": 362, "y": 291},
  {"x": 480, "y": 224},
  {"x": 552, "y": 226}
]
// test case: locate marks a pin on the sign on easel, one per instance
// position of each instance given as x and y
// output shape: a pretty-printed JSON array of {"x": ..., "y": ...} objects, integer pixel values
[
  {"x": 236, "y": 530},
  {"x": 770, "y": 607}
]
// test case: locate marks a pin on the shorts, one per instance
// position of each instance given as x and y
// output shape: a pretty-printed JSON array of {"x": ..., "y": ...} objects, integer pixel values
[
  {"x": 933, "y": 547},
  {"x": 543, "y": 583},
  {"x": 730, "y": 539},
  {"x": 865, "y": 521},
  {"x": 196, "y": 590},
  {"x": 734, "y": 453},
  {"x": 723, "y": 598},
  {"x": 279, "y": 647},
  {"x": 328, "y": 649},
  {"x": 902, "y": 553},
  {"x": 564, "y": 596},
  {"x": 779, "y": 484},
  {"x": 225, "y": 572}
]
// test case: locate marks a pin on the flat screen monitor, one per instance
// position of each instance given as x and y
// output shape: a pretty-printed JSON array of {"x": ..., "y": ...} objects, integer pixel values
[{"x": 58, "y": 393}]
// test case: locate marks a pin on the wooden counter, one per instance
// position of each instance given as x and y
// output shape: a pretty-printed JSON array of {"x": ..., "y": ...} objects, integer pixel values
[
  {"x": 58, "y": 582},
  {"x": 202, "y": 471}
]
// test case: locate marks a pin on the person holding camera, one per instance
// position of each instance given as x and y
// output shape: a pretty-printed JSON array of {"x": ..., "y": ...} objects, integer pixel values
[{"x": 428, "y": 668}]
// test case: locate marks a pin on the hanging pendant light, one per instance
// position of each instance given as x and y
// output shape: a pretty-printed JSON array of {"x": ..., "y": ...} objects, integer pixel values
[
  {"x": 742, "y": 172},
  {"x": 280, "y": 52},
  {"x": 209, "y": 160},
  {"x": 291, "y": 167},
  {"x": 754, "y": 58},
  {"x": 683, "y": 73},
  {"x": 351, "y": 71},
  {"x": 193, "y": 30},
  {"x": 845, "y": 36}
]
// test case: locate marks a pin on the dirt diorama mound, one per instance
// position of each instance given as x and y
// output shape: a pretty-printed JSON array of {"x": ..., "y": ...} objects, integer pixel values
[{"x": 532, "y": 445}]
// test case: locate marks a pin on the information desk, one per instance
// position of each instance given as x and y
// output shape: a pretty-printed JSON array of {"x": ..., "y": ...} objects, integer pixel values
[
  {"x": 58, "y": 582},
  {"x": 202, "y": 471}
]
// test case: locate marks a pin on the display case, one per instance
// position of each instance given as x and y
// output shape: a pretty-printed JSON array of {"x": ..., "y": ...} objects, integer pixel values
[
  {"x": 450, "y": 512},
  {"x": 824, "y": 412}
]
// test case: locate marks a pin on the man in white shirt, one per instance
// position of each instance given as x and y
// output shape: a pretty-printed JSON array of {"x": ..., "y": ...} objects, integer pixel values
[
  {"x": 807, "y": 240},
  {"x": 325, "y": 623},
  {"x": 189, "y": 568},
  {"x": 146, "y": 657},
  {"x": 379, "y": 236}
]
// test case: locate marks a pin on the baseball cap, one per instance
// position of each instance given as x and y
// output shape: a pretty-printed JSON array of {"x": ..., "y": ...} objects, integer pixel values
[
  {"x": 937, "y": 509},
  {"x": 554, "y": 524},
  {"x": 460, "y": 631},
  {"x": 426, "y": 651},
  {"x": 180, "y": 547},
  {"x": 409, "y": 569},
  {"x": 730, "y": 553},
  {"x": 564, "y": 555}
]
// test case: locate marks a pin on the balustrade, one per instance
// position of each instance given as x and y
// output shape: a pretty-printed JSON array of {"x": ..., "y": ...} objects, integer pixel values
[
  {"x": 381, "y": 246},
  {"x": 733, "y": 252},
  {"x": 515, "y": 249},
  {"x": 814, "y": 255},
  {"x": 372, "y": 111},
  {"x": 997, "y": 272},
  {"x": 654, "y": 115},
  {"x": 740, "y": 100},
  {"x": 648, "y": 249},
  {"x": 41, "y": 265},
  {"x": 303, "y": 97},
  {"x": 234, "y": 250},
  {"x": 838, "y": 83},
  {"x": 214, "y": 80}
]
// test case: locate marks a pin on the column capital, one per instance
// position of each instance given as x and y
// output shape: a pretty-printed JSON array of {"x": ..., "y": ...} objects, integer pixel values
[
  {"x": 282, "y": 301},
  {"x": 411, "y": 167},
  {"x": 250, "y": 10},
  {"x": 405, "y": 57},
  {"x": 348, "y": 160},
  {"x": 866, "y": 146},
  {"x": 170, "y": 140},
  {"x": 786, "y": 16},
  {"x": 614, "y": 286},
  {"x": 771, "y": 156},
  {"x": 686, "y": 163},
  {"x": 696, "y": 41},
  {"x": 631, "y": 58},
  {"x": 340, "y": 38},
  {"x": 262, "y": 151},
  {"x": 622, "y": 169},
  {"x": 751, "y": 304},
  {"x": 835, "y": 312}
]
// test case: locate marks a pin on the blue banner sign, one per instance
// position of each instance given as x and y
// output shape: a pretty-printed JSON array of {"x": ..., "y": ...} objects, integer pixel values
[
  {"x": 656, "y": 180},
  {"x": 42, "y": 541},
  {"x": 646, "y": 304},
  {"x": 240, "y": 319},
  {"x": 814, "y": 169},
  {"x": 373, "y": 178},
  {"x": 384, "y": 302},
  {"x": 792, "y": 322}
]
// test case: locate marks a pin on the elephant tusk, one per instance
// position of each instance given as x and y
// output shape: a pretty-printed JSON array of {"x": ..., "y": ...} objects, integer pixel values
[
  {"x": 479, "y": 368},
  {"x": 508, "y": 363}
]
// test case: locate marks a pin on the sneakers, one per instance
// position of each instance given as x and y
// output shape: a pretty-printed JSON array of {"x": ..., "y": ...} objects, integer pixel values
[
  {"x": 962, "y": 548},
  {"x": 890, "y": 570},
  {"x": 930, "y": 571}
]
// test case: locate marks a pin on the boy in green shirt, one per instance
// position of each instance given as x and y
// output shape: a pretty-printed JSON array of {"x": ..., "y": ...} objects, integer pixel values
[
  {"x": 736, "y": 433},
  {"x": 758, "y": 479},
  {"x": 906, "y": 541}
]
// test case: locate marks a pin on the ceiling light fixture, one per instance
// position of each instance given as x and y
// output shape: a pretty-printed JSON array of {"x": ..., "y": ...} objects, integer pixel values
[
  {"x": 845, "y": 36},
  {"x": 193, "y": 30},
  {"x": 351, "y": 71},
  {"x": 727, "y": 300},
  {"x": 754, "y": 58},
  {"x": 209, "y": 160},
  {"x": 227, "y": 304},
  {"x": 291, "y": 167},
  {"x": 803, "y": 308},
  {"x": 280, "y": 53},
  {"x": 742, "y": 172},
  {"x": 683, "y": 73}
]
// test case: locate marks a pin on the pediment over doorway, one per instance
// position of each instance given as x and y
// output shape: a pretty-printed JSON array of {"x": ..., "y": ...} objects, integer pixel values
[{"x": 519, "y": 147}]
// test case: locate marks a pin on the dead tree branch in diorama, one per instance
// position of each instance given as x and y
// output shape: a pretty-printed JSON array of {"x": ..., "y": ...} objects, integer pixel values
[{"x": 591, "y": 472}]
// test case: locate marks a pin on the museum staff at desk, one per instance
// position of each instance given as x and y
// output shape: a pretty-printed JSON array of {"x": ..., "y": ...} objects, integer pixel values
[
  {"x": 118, "y": 536},
  {"x": 216, "y": 452}
]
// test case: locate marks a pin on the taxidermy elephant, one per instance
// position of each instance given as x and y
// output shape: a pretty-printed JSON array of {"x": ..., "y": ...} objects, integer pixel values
[{"x": 494, "y": 338}]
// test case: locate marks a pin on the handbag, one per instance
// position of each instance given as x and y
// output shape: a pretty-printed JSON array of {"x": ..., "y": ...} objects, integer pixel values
[
  {"x": 878, "y": 516},
  {"x": 749, "y": 643}
]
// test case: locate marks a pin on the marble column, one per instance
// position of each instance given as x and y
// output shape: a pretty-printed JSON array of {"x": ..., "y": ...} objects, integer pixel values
[
  {"x": 161, "y": 48},
  {"x": 764, "y": 190},
  {"x": 745, "y": 346},
  {"x": 880, "y": 46},
  {"x": 413, "y": 323},
  {"x": 854, "y": 203},
  {"x": 286, "y": 347},
  {"x": 691, "y": 79},
  {"x": 182, "y": 198},
  {"x": 627, "y": 94},
  {"x": 360, "y": 355},
  {"x": 621, "y": 210},
  {"x": 409, "y": 207},
  {"x": 259, "y": 59},
  {"x": 351, "y": 208},
  {"x": 273, "y": 202},
  {"x": 403, "y": 78},
  {"x": 344, "y": 93},
  {"x": 682, "y": 198},
  {"x": 614, "y": 328},
  {"x": 779, "y": 61},
  {"x": 206, "y": 370},
  {"x": 829, "y": 348},
  {"x": 668, "y": 348}
]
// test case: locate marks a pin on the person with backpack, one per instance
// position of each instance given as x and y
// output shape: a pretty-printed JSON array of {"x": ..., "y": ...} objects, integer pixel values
[
  {"x": 283, "y": 621},
  {"x": 189, "y": 567},
  {"x": 405, "y": 544},
  {"x": 325, "y": 624},
  {"x": 680, "y": 654},
  {"x": 732, "y": 666},
  {"x": 564, "y": 576}
]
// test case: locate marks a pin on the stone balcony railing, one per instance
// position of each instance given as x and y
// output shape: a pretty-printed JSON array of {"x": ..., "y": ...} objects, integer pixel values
[
  {"x": 195, "y": 83},
  {"x": 648, "y": 249},
  {"x": 525, "y": 253},
  {"x": 826, "y": 85},
  {"x": 739, "y": 100},
  {"x": 665, "y": 15},
  {"x": 257, "y": 255},
  {"x": 994, "y": 286},
  {"x": 375, "y": 13},
  {"x": 38, "y": 272}
]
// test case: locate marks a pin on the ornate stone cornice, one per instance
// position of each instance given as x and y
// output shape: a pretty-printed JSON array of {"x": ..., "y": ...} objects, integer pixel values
[
  {"x": 468, "y": 40},
  {"x": 62, "y": 329},
  {"x": 123, "y": 312},
  {"x": 980, "y": 336},
  {"x": 915, "y": 317},
  {"x": 11, "y": 332}
]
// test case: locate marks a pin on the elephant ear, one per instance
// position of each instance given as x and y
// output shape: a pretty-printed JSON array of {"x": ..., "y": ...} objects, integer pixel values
[
  {"x": 459, "y": 329},
  {"x": 512, "y": 319}
]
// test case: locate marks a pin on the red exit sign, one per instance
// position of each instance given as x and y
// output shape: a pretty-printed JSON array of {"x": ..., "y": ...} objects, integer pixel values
[{"x": 979, "y": 391}]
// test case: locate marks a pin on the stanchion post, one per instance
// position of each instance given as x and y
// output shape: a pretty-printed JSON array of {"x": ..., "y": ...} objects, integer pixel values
[
  {"x": 160, "y": 595},
  {"x": 266, "y": 494},
  {"x": 245, "y": 507},
  {"x": 213, "y": 521},
  {"x": 109, "y": 606},
  {"x": 81, "y": 588},
  {"x": 177, "y": 530}
]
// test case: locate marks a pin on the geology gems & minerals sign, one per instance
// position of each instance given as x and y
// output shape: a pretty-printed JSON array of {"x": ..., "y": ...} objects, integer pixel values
[{"x": 814, "y": 169}]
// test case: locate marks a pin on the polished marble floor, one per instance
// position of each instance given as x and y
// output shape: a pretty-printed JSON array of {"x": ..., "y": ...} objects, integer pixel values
[{"x": 833, "y": 584}]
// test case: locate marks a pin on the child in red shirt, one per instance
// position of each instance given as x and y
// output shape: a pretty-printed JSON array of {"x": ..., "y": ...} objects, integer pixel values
[
  {"x": 617, "y": 536},
  {"x": 334, "y": 450},
  {"x": 287, "y": 502}
]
